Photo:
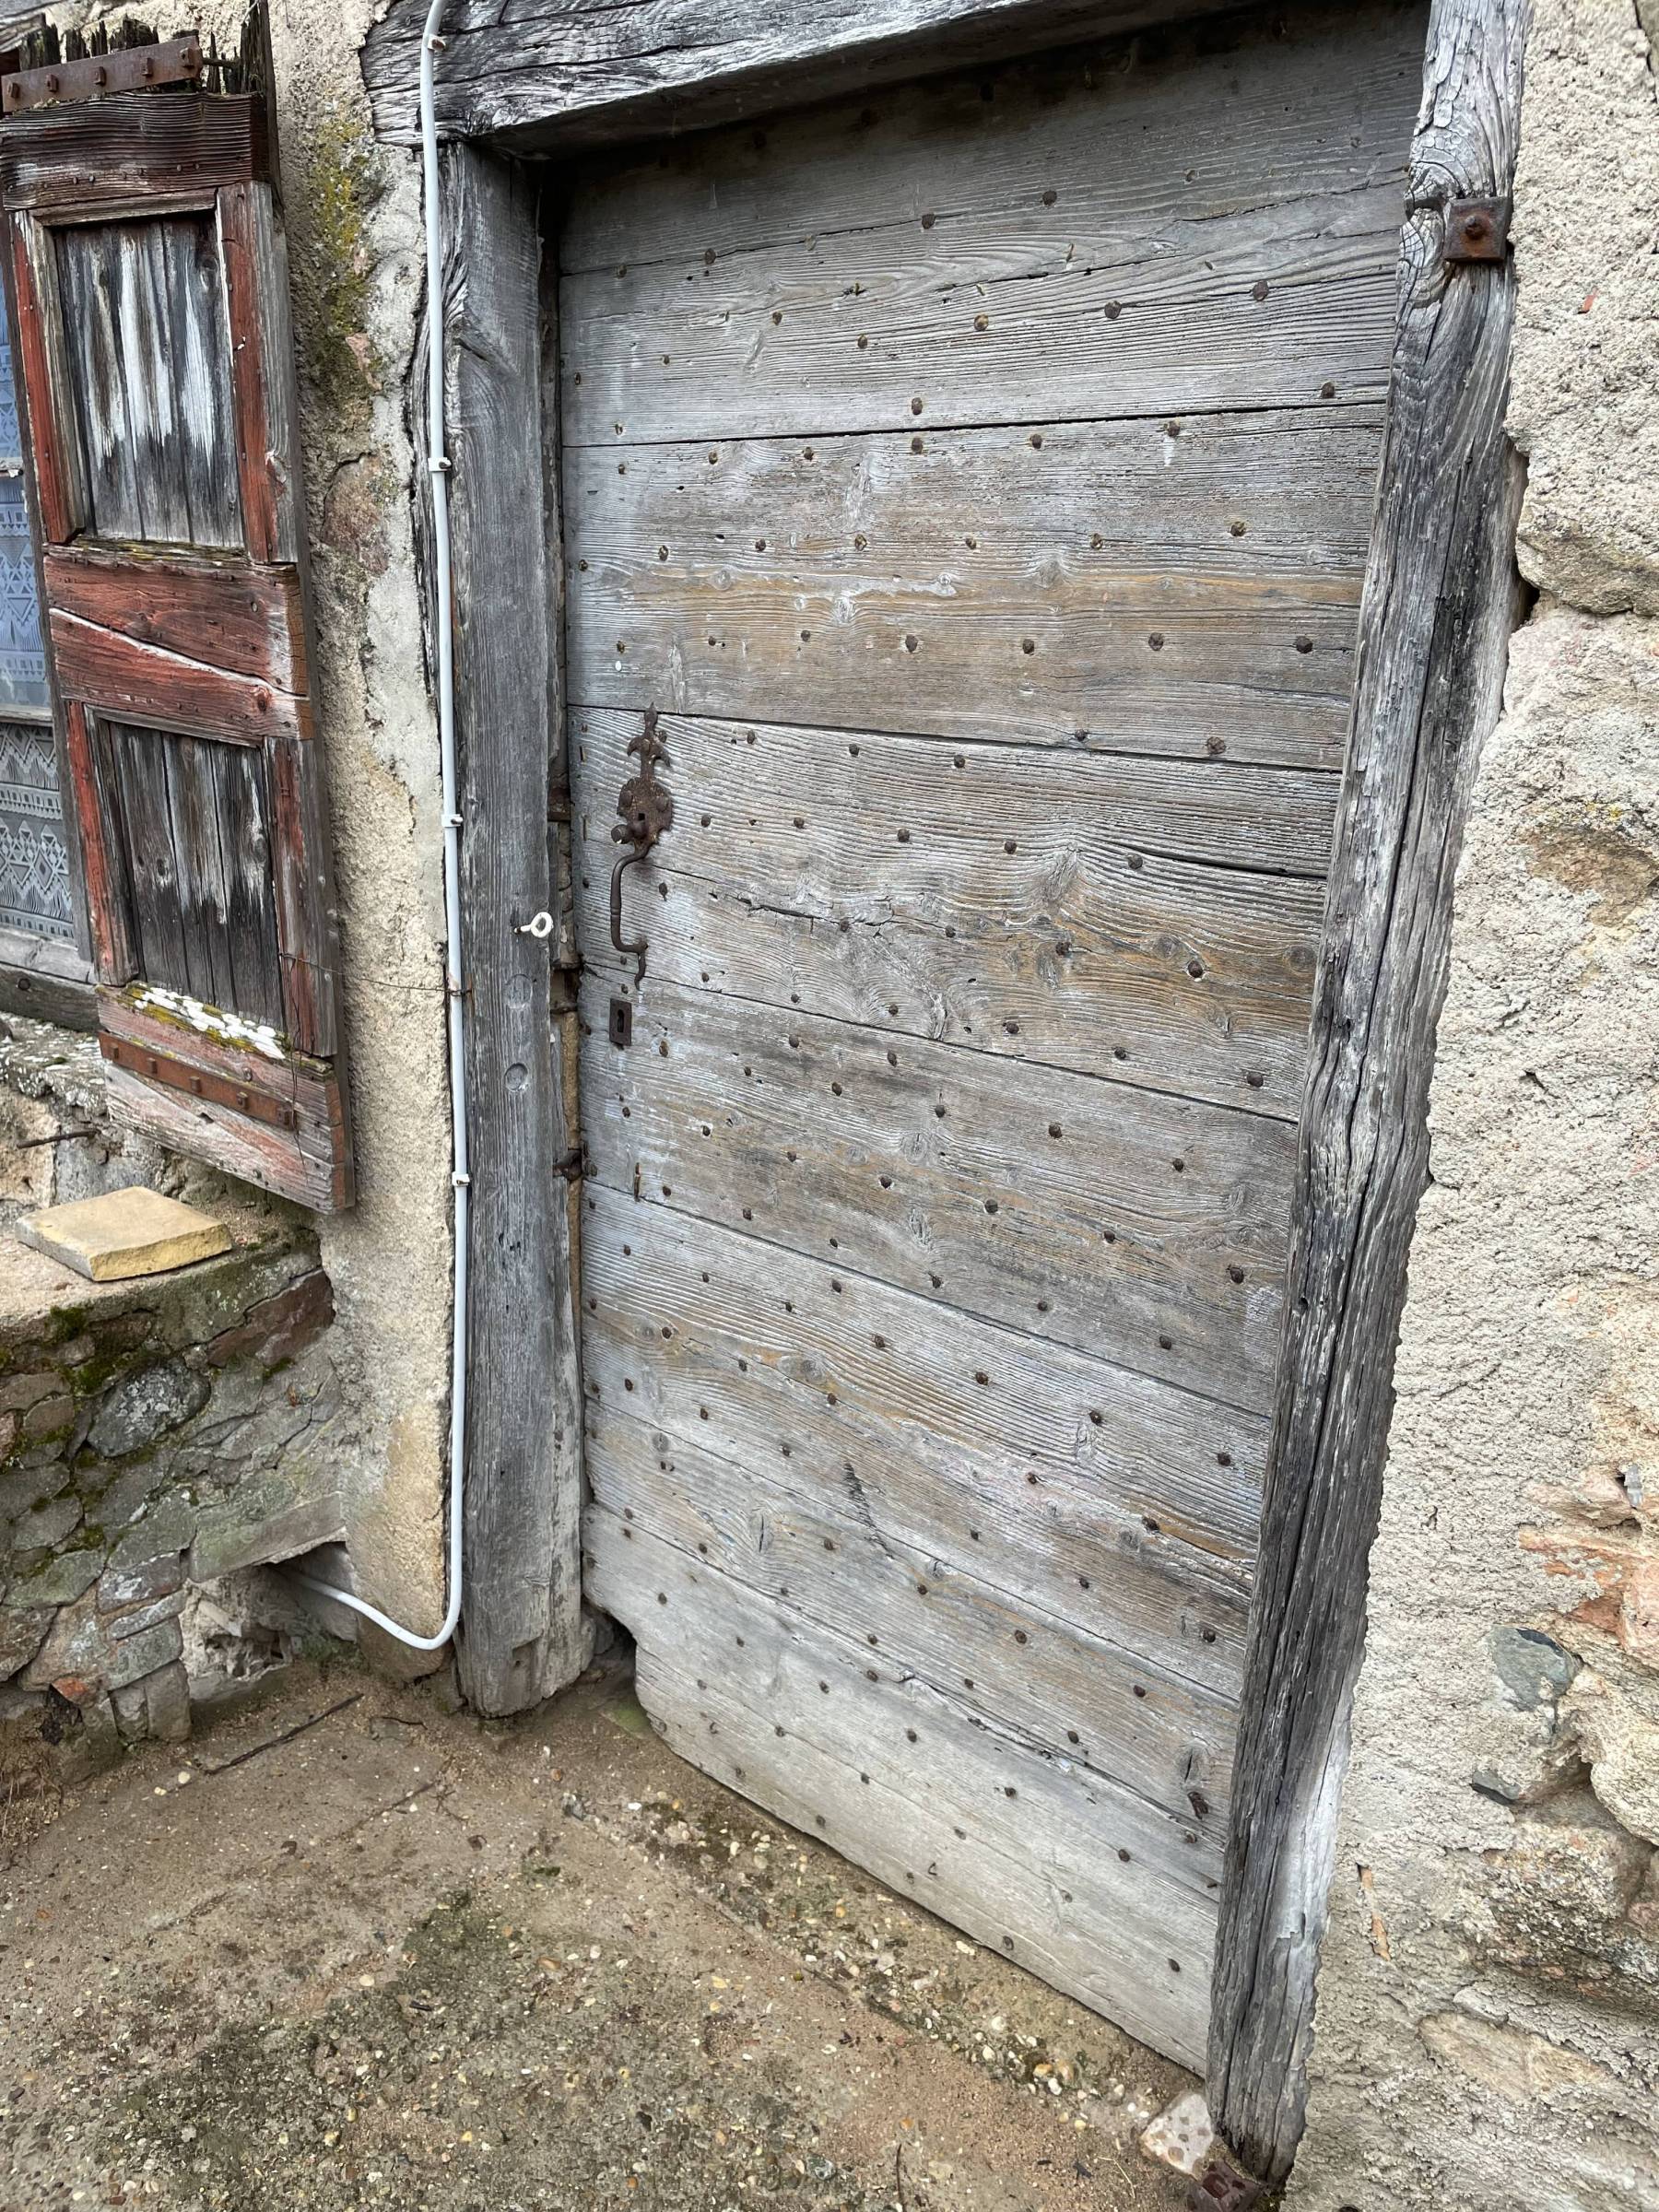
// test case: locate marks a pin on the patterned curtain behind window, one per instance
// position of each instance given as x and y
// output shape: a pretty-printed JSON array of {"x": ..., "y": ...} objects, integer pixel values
[{"x": 34, "y": 863}]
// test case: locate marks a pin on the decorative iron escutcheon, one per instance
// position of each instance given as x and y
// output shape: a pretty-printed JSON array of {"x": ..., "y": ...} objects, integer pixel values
[{"x": 647, "y": 810}]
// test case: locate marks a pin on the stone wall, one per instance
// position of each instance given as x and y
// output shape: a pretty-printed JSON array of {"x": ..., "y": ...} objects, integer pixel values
[
  {"x": 155, "y": 1436},
  {"x": 1488, "y": 2029}
]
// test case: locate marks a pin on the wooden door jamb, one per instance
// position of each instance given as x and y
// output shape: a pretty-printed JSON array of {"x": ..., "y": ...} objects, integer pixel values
[{"x": 1441, "y": 599}]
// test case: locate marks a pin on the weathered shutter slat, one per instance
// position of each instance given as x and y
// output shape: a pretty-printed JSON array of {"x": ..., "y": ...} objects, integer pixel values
[
  {"x": 257, "y": 631},
  {"x": 157, "y": 368}
]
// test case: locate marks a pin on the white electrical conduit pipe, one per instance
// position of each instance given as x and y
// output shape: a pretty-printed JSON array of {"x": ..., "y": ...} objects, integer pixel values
[{"x": 431, "y": 45}]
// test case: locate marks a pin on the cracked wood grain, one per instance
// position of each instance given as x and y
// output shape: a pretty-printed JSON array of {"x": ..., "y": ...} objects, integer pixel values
[
  {"x": 558, "y": 74},
  {"x": 522, "y": 1636},
  {"x": 1440, "y": 602}
]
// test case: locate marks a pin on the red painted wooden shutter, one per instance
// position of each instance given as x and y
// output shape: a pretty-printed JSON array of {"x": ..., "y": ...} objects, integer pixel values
[{"x": 155, "y": 355}]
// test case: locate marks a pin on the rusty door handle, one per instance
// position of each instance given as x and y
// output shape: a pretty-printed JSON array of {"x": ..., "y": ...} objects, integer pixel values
[
  {"x": 633, "y": 947},
  {"x": 647, "y": 810}
]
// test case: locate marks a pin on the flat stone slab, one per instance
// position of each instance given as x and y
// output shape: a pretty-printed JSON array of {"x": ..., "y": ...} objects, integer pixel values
[
  {"x": 124, "y": 1234},
  {"x": 1181, "y": 2135}
]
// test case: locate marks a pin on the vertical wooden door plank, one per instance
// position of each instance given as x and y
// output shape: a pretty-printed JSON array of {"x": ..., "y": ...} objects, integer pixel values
[
  {"x": 192, "y": 806},
  {"x": 262, "y": 370},
  {"x": 522, "y": 1635},
  {"x": 244, "y": 812},
  {"x": 191, "y": 302},
  {"x": 42, "y": 356},
  {"x": 109, "y": 909},
  {"x": 1439, "y": 606},
  {"x": 140, "y": 779}
]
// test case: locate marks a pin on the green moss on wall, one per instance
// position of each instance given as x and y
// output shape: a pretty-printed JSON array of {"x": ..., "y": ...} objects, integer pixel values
[{"x": 338, "y": 183}]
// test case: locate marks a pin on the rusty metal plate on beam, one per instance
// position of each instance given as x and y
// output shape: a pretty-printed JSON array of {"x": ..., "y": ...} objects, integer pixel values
[
  {"x": 1476, "y": 229},
  {"x": 202, "y": 1083},
  {"x": 132, "y": 69}
]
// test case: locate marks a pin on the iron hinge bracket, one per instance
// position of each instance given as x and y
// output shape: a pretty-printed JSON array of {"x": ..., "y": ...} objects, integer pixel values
[{"x": 1476, "y": 230}]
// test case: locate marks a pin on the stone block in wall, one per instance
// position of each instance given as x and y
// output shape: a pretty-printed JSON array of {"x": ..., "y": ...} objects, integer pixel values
[
  {"x": 258, "y": 1521},
  {"x": 1556, "y": 1902},
  {"x": 58, "y": 1579},
  {"x": 85, "y": 1645},
  {"x": 46, "y": 1527},
  {"x": 155, "y": 1709},
  {"x": 22, "y": 1633},
  {"x": 279, "y": 1329},
  {"x": 22, "y": 1487},
  {"x": 1510, "y": 2063},
  {"x": 158, "y": 1577},
  {"x": 145, "y": 1407},
  {"x": 157, "y": 1432},
  {"x": 93, "y": 1741},
  {"x": 1614, "y": 1723}
]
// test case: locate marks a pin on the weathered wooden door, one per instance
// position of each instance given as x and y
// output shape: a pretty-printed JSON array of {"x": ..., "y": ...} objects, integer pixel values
[{"x": 977, "y": 479}]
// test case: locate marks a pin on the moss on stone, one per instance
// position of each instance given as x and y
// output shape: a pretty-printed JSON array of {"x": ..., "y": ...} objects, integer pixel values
[
  {"x": 331, "y": 278},
  {"x": 66, "y": 1321},
  {"x": 92, "y": 1375}
]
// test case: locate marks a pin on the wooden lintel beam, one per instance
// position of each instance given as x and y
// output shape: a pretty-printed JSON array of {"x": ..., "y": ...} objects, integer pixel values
[{"x": 554, "y": 75}]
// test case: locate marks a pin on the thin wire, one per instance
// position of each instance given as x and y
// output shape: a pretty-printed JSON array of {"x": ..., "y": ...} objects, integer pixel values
[{"x": 438, "y": 467}]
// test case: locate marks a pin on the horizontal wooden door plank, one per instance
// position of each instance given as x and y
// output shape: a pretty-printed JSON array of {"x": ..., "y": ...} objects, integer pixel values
[
  {"x": 1053, "y": 1474},
  {"x": 932, "y": 893},
  {"x": 1042, "y": 1681},
  {"x": 1231, "y": 499},
  {"x": 1146, "y": 1230},
  {"x": 1311, "y": 99},
  {"x": 969, "y": 322},
  {"x": 1060, "y": 1873},
  {"x": 1186, "y": 587}
]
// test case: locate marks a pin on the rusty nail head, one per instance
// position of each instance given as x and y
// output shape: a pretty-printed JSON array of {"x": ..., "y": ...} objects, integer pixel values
[{"x": 1476, "y": 229}]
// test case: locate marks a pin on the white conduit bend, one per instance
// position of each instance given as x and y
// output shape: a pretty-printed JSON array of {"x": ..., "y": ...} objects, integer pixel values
[{"x": 438, "y": 465}]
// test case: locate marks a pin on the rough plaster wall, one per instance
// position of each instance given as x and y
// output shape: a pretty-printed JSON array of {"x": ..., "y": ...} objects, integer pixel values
[
  {"x": 1487, "y": 2032},
  {"x": 353, "y": 219}
]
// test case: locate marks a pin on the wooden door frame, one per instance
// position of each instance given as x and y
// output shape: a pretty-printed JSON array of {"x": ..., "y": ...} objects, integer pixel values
[{"x": 1438, "y": 602}]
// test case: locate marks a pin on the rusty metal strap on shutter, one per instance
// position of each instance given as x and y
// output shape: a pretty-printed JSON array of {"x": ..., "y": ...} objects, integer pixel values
[{"x": 179, "y": 62}]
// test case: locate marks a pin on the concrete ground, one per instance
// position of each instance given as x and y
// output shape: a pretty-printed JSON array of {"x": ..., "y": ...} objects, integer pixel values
[{"x": 395, "y": 1958}]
